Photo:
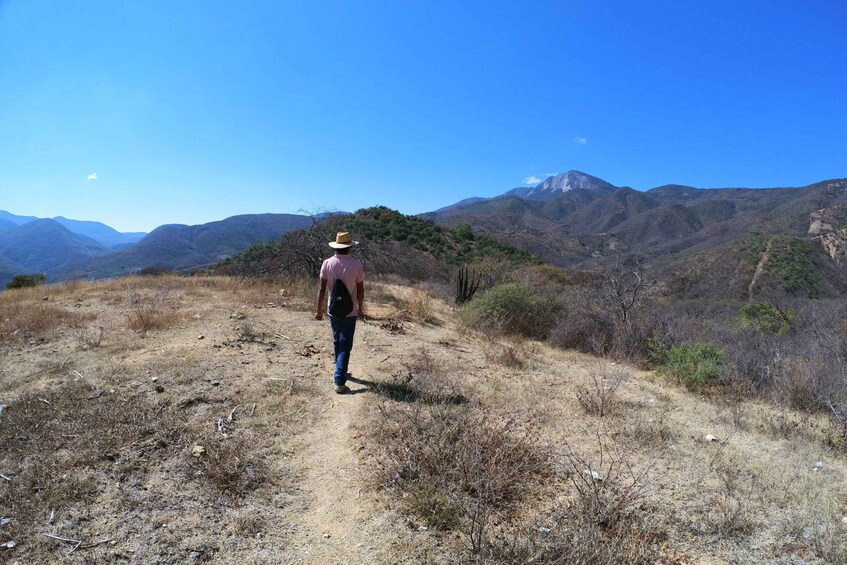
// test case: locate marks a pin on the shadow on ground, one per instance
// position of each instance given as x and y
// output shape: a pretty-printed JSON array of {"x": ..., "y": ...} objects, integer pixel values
[{"x": 404, "y": 392}]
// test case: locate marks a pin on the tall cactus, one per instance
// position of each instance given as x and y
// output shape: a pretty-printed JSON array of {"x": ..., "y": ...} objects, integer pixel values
[{"x": 466, "y": 285}]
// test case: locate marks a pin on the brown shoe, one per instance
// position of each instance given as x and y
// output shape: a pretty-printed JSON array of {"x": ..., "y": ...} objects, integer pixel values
[{"x": 342, "y": 389}]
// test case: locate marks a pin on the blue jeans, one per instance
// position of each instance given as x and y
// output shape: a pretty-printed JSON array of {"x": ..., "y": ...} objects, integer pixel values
[{"x": 342, "y": 340}]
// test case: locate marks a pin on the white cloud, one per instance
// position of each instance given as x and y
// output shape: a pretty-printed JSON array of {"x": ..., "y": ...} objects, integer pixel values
[
  {"x": 92, "y": 176},
  {"x": 581, "y": 140},
  {"x": 532, "y": 180}
]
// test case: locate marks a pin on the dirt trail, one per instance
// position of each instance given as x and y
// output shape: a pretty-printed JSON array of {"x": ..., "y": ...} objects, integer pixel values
[
  {"x": 760, "y": 268},
  {"x": 339, "y": 524}
]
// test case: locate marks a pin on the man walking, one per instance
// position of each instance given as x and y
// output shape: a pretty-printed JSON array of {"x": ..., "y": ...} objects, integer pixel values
[{"x": 343, "y": 310}]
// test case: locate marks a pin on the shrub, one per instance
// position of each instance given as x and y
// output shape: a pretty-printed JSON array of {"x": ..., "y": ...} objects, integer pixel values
[
  {"x": 599, "y": 394},
  {"x": 695, "y": 364},
  {"x": 766, "y": 318},
  {"x": 149, "y": 312},
  {"x": 510, "y": 309},
  {"x": 419, "y": 308},
  {"x": 455, "y": 466},
  {"x": 584, "y": 325},
  {"x": 27, "y": 281},
  {"x": 154, "y": 271},
  {"x": 791, "y": 261}
]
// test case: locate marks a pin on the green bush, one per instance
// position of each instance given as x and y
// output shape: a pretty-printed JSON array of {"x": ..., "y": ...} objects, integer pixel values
[
  {"x": 27, "y": 281},
  {"x": 514, "y": 309},
  {"x": 766, "y": 318},
  {"x": 791, "y": 262},
  {"x": 694, "y": 364}
]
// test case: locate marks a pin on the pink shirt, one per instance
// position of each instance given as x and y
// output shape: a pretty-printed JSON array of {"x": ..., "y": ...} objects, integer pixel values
[{"x": 348, "y": 269}]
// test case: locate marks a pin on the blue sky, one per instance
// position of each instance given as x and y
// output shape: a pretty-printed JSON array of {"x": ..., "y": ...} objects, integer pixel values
[{"x": 193, "y": 111}]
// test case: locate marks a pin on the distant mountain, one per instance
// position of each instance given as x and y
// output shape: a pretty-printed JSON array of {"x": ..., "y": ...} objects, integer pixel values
[
  {"x": 551, "y": 188},
  {"x": 565, "y": 182},
  {"x": 573, "y": 218},
  {"x": 18, "y": 220},
  {"x": 6, "y": 225},
  {"x": 181, "y": 247},
  {"x": 42, "y": 246},
  {"x": 101, "y": 233}
]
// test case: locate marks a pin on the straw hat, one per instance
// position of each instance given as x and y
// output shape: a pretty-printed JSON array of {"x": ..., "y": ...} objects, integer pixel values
[{"x": 342, "y": 241}]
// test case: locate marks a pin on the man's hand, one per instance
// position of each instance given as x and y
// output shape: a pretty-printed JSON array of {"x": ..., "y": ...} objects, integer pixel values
[{"x": 319, "y": 316}]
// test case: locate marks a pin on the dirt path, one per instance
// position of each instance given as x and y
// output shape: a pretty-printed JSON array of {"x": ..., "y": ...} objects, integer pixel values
[
  {"x": 338, "y": 524},
  {"x": 760, "y": 268}
]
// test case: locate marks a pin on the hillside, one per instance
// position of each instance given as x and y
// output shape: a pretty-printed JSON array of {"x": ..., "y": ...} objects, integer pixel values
[
  {"x": 101, "y": 233},
  {"x": 181, "y": 247},
  {"x": 210, "y": 432},
  {"x": 45, "y": 246},
  {"x": 673, "y": 226},
  {"x": 391, "y": 242}
]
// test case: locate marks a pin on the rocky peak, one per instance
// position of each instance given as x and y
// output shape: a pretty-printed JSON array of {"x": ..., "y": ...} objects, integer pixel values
[{"x": 565, "y": 182}]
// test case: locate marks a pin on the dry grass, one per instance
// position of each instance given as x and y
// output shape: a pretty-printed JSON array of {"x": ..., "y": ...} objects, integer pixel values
[
  {"x": 231, "y": 466},
  {"x": 454, "y": 466},
  {"x": 599, "y": 394},
  {"x": 458, "y": 436},
  {"x": 150, "y": 311},
  {"x": 62, "y": 448},
  {"x": 516, "y": 353},
  {"x": 24, "y": 315},
  {"x": 605, "y": 520},
  {"x": 420, "y": 307}
]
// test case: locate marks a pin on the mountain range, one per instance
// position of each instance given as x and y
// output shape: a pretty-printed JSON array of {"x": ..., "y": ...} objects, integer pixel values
[
  {"x": 697, "y": 241},
  {"x": 63, "y": 248},
  {"x": 574, "y": 219}
]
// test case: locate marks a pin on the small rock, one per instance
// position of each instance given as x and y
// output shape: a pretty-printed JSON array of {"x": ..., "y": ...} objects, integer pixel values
[
  {"x": 154, "y": 379},
  {"x": 594, "y": 474},
  {"x": 216, "y": 383},
  {"x": 201, "y": 336},
  {"x": 327, "y": 535},
  {"x": 197, "y": 316},
  {"x": 45, "y": 298},
  {"x": 422, "y": 529},
  {"x": 4, "y": 521},
  {"x": 2, "y": 409},
  {"x": 9, "y": 544},
  {"x": 198, "y": 450},
  {"x": 844, "y": 520},
  {"x": 543, "y": 531},
  {"x": 194, "y": 555},
  {"x": 818, "y": 466},
  {"x": 710, "y": 438}
]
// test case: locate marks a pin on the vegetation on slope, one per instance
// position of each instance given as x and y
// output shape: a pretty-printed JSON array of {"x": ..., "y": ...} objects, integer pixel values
[{"x": 390, "y": 242}]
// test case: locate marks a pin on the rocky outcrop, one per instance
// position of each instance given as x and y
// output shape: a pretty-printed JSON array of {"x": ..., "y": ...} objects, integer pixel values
[
  {"x": 827, "y": 220},
  {"x": 835, "y": 245}
]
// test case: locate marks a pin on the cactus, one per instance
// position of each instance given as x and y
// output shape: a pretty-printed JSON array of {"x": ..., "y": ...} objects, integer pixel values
[{"x": 466, "y": 285}]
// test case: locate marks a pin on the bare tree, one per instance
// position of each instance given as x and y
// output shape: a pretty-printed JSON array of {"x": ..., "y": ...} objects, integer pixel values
[{"x": 623, "y": 284}]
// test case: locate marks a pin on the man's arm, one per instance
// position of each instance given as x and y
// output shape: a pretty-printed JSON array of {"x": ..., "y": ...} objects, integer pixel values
[
  {"x": 319, "y": 310},
  {"x": 360, "y": 296}
]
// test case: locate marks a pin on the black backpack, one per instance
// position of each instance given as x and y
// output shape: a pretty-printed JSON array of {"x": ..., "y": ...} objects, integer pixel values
[{"x": 340, "y": 301}]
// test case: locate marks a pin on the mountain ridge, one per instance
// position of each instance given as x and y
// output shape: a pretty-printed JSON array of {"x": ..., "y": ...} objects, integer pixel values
[{"x": 671, "y": 225}]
